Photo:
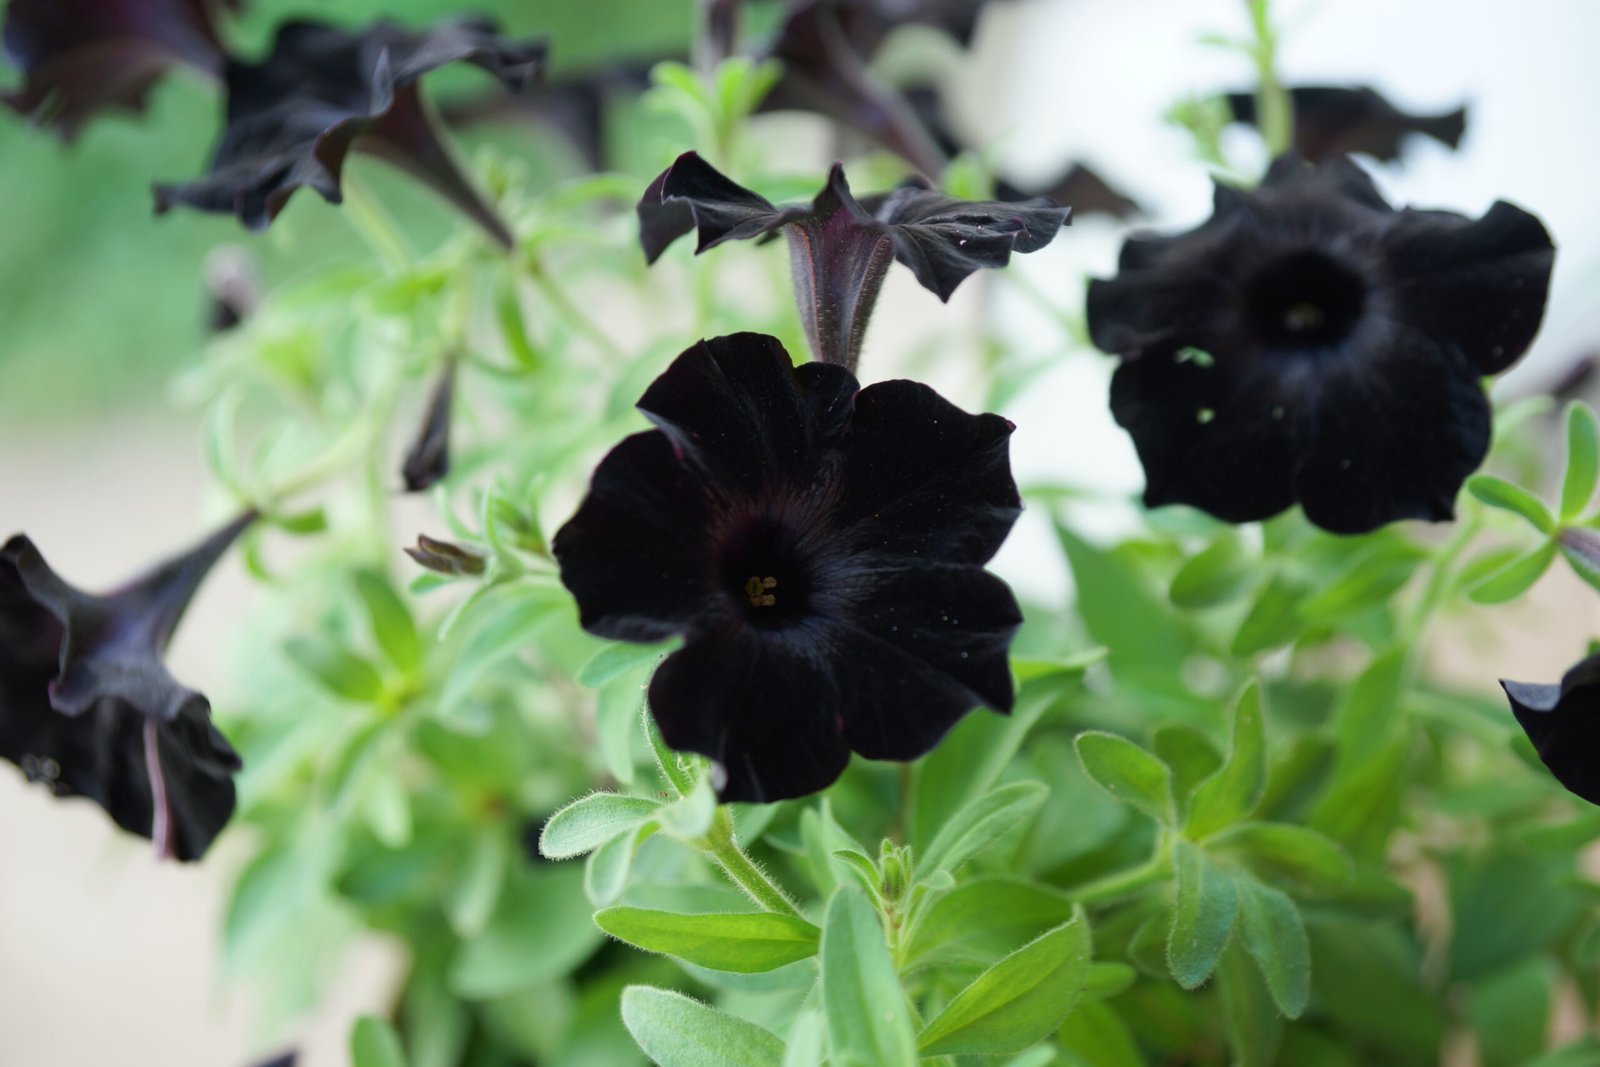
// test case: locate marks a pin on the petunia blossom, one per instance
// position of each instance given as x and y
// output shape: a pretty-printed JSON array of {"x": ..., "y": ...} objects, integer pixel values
[
  {"x": 1563, "y": 722},
  {"x": 325, "y": 91},
  {"x": 840, "y": 246},
  {"x": 818, "y": 546},
  {"x": 81, "y": 57},
  {"x": 88, "y": 708},
  {"x": 1331, "y": 121},
  {"x": 1309, "y": 343}
]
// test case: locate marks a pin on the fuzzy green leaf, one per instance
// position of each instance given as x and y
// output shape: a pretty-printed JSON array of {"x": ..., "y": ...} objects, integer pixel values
[
  {"x": 1128, "y": 773},
  {"x": 678, "y": 1031},
  {"x": 1235, "y": 790},
  {"x": 1208, "y": 901},
  {"x": 979, "y": 825},
  {"x": 1019, "y": 1001},
  {"x": 869, "y": 1023},
  {"x": 1275, "y": 937},
  {"x": 743, "y": 942},
  {"x": 1294, "y": 857},
  {"x": 591, "y": 821}
]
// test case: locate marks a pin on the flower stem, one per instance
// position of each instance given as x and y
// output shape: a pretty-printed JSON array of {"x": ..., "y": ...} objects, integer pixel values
[
  {"x": 375, "y": 226},
  {"x": 1124, "y": 883},
  {"x": 574, "y": 315},
  {"x": 723, "y": 848},
  {"x": 1274, "y": 108}
]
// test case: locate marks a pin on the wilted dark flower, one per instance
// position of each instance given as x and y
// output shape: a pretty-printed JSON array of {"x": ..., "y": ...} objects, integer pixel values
[
  {"x": 1563, "y": 722},
  {"x": 428, "y": 459},
  {"x": 1309, "y": 343},
  {"x": 825, "y": 46},
  {"x": 821, "y": 551},
  {"x": 81, "y": 57},
  {"x": 1332, "y": 121},
  {"x": 839, "y": 247},
  {"x": 88, "y": 708},
  {"x": 325, "y": 91},
  {"x": 443, "y": 557}
]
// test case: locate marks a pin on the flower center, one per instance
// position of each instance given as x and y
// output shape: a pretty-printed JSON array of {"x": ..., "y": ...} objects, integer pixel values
[
  {"x": 766, "y": 575},
  {"x": 1305, "y": 300}
]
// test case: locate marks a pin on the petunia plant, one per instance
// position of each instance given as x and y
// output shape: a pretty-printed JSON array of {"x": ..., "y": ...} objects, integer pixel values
[{"x": 672, "y": 675}]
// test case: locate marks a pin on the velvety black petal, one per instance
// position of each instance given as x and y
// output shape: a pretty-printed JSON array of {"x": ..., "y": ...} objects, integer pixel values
[
  {"x": 956, "y": 620},
  {"x": 81, "y": 57},
  {"x": 763, "y": 709},
  {"x": 1330, "y": 121},
  {"x": 1394, "y": 441},
  {"x": 428, "y": 459},
  {"x": 1479, "y": 284},
  {"x": 741, "y": 409},
  {"x": 1317, "y": 185},
  {"x": 293, "y": 118},
  {"x": 1563, "y": 722},
  {"x": 693, "y": 195},
  {"x": 944, "y": 239},
  {"x": 1207, "y": 438},
  {"x": 636, "y": 554},
  {"x": 923, "y": 479},
  {"x": 1155, "y": 313}
]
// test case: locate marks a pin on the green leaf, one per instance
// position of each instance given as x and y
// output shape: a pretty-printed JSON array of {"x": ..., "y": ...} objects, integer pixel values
[
  {"x": 619, "y": 658},
  {"x": 1207, "y": 903},
  {"x": 1107, "y": 980},
  {"x": 1235, "y": 790},
  {"x": 983, "y": 919},
  {"x": 387, "y": 807},
  {"x": 1128, "y": 773},
  {"x": 1273, "y": 619},
  {"x": 373, "y": 1043},
  {"x": 478, "y": 882},
  {"x": 1219, "y": 574},
  {"x": 390, "y": 619},
  {"x": 1019, "y": 1001},
  {"x": 689, "y": 817},
  {"x": 1515, "y": 577},
  {"x": 591, "y": 821},
  {"x": 340, "y": 671},
  {"x": 869, "y": 1023},
  {"x": 1189, "y": 754},
  {"x": 1096, "y": 1036},
  {"x": 1275, "y": 937},
  {"x": 677, "y": 1031},
  {"x": 540, "y": 931},
  {"x": 1499, "y": 493},
  {"x": 1367, "y": 580},
  {"x": 808, "y": 1041},
  {"x": 1295, "y": 857},
  {"x": 1583, "y": 461},
  {"x": 1510, "y": 1011},
  {"x": 979, "y": 825},
  {"x": 744, "y": 943},
  {"x": 1254, "y": 1025},
  {"x": 605, "y": 873}
]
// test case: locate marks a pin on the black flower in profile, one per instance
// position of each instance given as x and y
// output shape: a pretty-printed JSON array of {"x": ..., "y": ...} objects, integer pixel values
[
  {"x": 1310, "y": 343},
  {"x": 1563, "y": 722},
  {"x": 324, "y": 91},
  {"x": 840, "y": 246},
  {"x": 820, "y": 548},
  {"x": 1331, "y": 121},
  {"x": 81, "y": 57},
  {"x": 88, "y": 708}
]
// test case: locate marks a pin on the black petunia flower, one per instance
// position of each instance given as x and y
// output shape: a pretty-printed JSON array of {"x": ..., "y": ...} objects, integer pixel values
[
  {"x": 81, "y": 57},
  {"x": 1309, "y": 343},
  {"x": 821, "y": 551},
  {"x": 324, "y": 91},
  {"x": 840, "y": 246},
  {"x": 88, "y": 708},
  {"x": 1331, "y": 121},
  {"x": 1563, "y": 722}
]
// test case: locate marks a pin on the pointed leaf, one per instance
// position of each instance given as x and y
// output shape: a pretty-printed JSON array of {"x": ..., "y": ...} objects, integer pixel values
[
  {"x": 1583, "y": 461},
  {"x": 1499, "y": 493},
  {"x": 869, "y": 1023},
  {"x": 1207, "y": 904},
  {"x": 1275, "y": 937},
  {"x": 742, "y": 942},
  {"x": 1128, "y": 773},
  {"x": 390, "y": 619},
  {"x": 1515, "y": 577},
  {"x": 591, "y": 821},
  {"x": 979, "y": 825},
  {"x": 677, "y": 1031},
  {"x": 1235, "y": 790}
]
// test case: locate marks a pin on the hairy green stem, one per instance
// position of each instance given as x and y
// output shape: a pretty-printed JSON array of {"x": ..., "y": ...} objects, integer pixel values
[
  {"x": 1124, "y": 883},
  {"x": 722, "y": 845}
]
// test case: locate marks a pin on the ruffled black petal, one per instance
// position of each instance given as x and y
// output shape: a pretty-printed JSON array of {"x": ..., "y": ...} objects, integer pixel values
[
  {"x": 636, "y": 553},
  {"x": 87, "y": 706},
  {"x": 81, "y": 57},
  {"x": 1331, "y": 121},
  {"x": 293, "y": 118},
  {"x": 924, "y": 480},
  {"x": 840, "y": 245},
  {"x": 818, "y": 548},
  {"x": 1478, "y": 284},
  {"x": 1309, "y": 343},
  {"x": 760, "y": 708},
  {"x": 428, "y": 459},
  {"x": 1563, "y": 722}
]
